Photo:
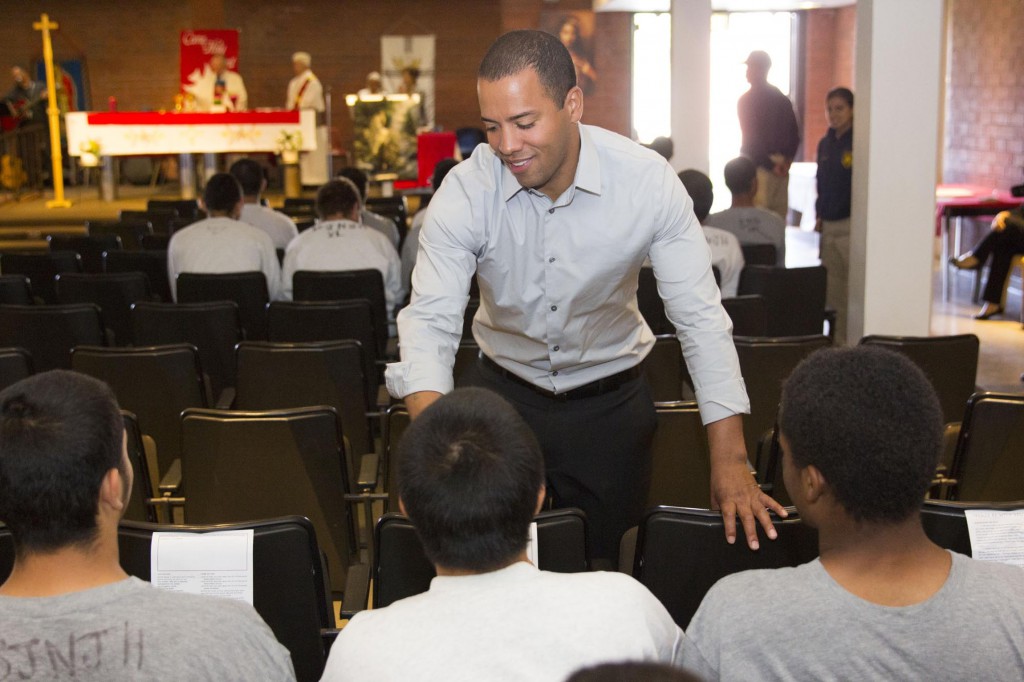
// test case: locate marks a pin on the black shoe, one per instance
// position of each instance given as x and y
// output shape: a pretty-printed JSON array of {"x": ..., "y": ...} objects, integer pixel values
[
  {"x": 965, "y": 262},
  {"x": 989, "y": 313}
]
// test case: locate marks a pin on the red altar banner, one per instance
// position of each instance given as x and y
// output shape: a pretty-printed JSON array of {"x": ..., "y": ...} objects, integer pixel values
[{"x": 198, "y": 44}]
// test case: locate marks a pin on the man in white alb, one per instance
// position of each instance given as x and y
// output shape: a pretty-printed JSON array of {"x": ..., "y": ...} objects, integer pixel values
[
  {"x": 219, "y": 89},
  {"x": 306, "y": 92}
]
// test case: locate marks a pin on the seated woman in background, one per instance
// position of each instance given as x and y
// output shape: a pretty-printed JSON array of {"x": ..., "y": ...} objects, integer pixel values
[{"x": 1002, "y": 243}]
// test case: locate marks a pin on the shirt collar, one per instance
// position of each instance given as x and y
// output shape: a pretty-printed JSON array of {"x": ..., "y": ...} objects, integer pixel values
[{"x": 588, "y": 169}]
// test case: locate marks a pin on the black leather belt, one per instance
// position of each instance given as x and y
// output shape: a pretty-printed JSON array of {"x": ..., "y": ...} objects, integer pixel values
[{"x": 594, "y": 388}]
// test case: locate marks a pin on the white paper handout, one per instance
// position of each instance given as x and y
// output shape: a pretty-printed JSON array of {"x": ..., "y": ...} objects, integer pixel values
[
  {"x": 531, "y": 546},
  {"x": 218, "y": 563},
  {"x": 997, "y": 535}
]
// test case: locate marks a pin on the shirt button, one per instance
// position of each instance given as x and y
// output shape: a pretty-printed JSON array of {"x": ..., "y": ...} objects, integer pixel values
[
  {"x": 554, "y": 308},
  {"x": 551, "y": 210},
  {"x": 555, "y": 373},
  {"x": 551, "y": 260},
  {"x": 555, "y": 348}
]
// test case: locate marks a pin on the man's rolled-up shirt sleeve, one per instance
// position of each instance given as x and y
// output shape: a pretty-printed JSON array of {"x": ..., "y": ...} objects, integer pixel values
[
  {"x": 682, "y": 266},
  {"x": 430, "y": 327}
]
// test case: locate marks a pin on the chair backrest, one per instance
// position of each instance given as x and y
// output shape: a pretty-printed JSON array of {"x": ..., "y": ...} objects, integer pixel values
[
  {"x": 794, "y": 297},
  {"x": 989, "y": 461},
  {"x": 666, "y": 371},
  {"x": 312, "y": 321},
  {"x": 749, "y": 315},
  {"x": 309, "y": 285},
  {"x": 6, "y": 552},
  {"x": 41, "y": 268},
  {"x": 651, "y": 306},
  {"x": 466, "y": 357},
  {"x": 159, "y": 218},
  {"x": 396, "y": 421},
  {"x": 681, "y": 553},
  {"x": 472, "y": 306},
  {"x": 468, "y": 138},
  {"x": 949, "y": 362},
  {"x": 758, "y": 254},
  {"x": 249, "y": 465},
  {"x": 680, "y": 459},
  {"x": 15, "y": 290},
  {"x": 129, "y": 231},
  {"x": 213, "y": 328},
  {"x": 154, "y": 382},
  {"x": 142, "y": 482},
  {"x": 401, "y": 568},
  {"x": 152, "y": 263},
  {"x": 49, "y": 332},
  {"x": 155, "y": 242},
  {"x": 15, "y": 365},
  {"x": 285, "y": 375},
  {"x": 395, "y": 208},
  {"x": 113, "y": 292},
  {"x": 308, "y": 204},
  {"x": 765, "y": 363},
  {"x": 187, "y": 209},
  {"x": 89, "y": 247},
  {"x": 946, "y": 524},
  {"x": 288, "y": 580},
  {"x": 247, "y": 289}
]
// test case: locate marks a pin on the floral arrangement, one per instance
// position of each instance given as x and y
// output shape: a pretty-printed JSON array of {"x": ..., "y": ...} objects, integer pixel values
[
  {"x": 289, "y": 142},
  {"x": 90, "y": 150}
]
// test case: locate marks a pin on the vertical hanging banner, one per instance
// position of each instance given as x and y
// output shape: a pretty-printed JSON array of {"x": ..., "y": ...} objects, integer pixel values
[
  {"x": 197, "y": 45},
  {"x": 416, "y": 53}
]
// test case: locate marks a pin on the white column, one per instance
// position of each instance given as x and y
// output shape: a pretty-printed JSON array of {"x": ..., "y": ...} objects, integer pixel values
[
  {"x": 897, "y": 113},
  {"x": 691, "y": 83}
]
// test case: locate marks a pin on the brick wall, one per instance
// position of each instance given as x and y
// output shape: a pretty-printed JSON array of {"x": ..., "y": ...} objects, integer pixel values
[
  {"x": 984, "y": 132},
  {"x": 829, "y": 59},
  {"x": 131, "y": 50}
]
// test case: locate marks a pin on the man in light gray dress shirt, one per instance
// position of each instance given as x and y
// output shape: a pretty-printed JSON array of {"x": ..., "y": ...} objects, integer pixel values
[{"x": 556, "y": 219}]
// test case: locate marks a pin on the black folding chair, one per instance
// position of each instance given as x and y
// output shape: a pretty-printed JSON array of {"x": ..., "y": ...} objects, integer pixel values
[
  {"x": 15, "y": 290},
  {"x": 666, "y": 371},
  {"x": 309, "y": 285},
  {"x": 15, "y": 364},
  {"x": 945, "y": 522},
  {"x": 162, "y": 219},
  {"x": 247, "y": 289},
  {"x": 749, "y": 315},
  {"x": 187, "y": 209},
  {"x": 41, "y": 268},
  {"x": 213, "y": 328},
  {"x": 682, "y": 552},
  {"x": 114, "y": 293},
  {"x": 249, "y": 465},
  {"x": 288, "y": 581},
  {"x": 142, "y": 482},
  {"x": 89, "y": 247},
  {"x": 794, "y": 297},
  {"x": 989, "y": 461},
  {"x": 130, "y": 232},
  {"x": 759, "y": 254},
  {"x": 6, "y": 552},
  {"x": 396, "y": 421},
  {"x": 49, "y": 332},
  {"x": 152, "y": 263},
  {"x": 651, "y": 306},
  {"x": 680, "y": 459},
  {"x": 401, "y": 569},
  {"x": 394, "y": 208}
]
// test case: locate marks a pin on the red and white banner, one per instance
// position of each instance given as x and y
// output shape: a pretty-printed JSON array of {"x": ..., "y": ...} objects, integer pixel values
[{"x": 197, "y": 45}]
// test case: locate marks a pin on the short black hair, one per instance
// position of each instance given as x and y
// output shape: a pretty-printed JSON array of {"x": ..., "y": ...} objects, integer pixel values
[
  {"x": 740, "y": 174},
  {"x": 60, "y": 433},
  {"x": 358, "y": 178},
  {"x": 664, "y": 146},
  {"x": 443, "y": 167},
  {"x": 222, "y": 193},
  {"x": 842, "y": 93},
  {"x": 469, "y": 471},
  {"x": 250, "y": 176},
  {"x": 412, "y": 71},
  {"x": 698, "y": 186},
  {"x": 869, "y": 420},
  {"x": 336, "y": 197},
  {"x": 517, "y": 51},
  {"x": 628, "y": 671}
]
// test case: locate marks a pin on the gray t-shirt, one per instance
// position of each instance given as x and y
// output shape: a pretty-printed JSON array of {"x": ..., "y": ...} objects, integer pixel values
[
  {"x": 753, "y": 225},
  {"x": 130, "y": 630},
  {"x": 799, "y": 624}
]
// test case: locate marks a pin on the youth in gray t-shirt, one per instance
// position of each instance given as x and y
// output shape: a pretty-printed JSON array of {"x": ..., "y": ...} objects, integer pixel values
[
  {"x": 752, "y": 225},
  {"x": 130, "y": 630},
  {"x": 799, "y": 624}
]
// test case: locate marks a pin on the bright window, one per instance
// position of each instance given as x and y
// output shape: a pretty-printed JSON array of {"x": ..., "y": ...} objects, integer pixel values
[{"x": 652, "y": 75}]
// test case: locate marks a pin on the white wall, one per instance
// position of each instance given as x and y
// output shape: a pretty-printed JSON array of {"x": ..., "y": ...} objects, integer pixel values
[{"x": 691, "y": 83}]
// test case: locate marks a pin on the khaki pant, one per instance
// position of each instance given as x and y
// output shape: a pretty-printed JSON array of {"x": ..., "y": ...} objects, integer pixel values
[
  {"x": 772, "y": 192},
  {"x": 835, "y": 256}
]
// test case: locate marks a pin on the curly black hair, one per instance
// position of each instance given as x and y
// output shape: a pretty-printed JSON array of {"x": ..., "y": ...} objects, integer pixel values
[{"x": 869, "y": 420}]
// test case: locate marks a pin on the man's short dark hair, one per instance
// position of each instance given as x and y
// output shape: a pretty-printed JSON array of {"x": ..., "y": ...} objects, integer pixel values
[
  {"x": 517, "y": 51},
  {"x": 628, "y": 671},
  {"x": 60, "y": 433},
  {"x": 358, "y": 178},
  {"x": 842, "y": 93},
  {"x": 337, "y": 197},
  {"x": 740, "y": 174},
  {"x": 222, "y": 193},
  {"x": 698, "y": 186},
  {"x": 469, "y": 471},
  {"x": 870, "y": 421},
  {"x": 250, "y": 176},
  {"x": 442, "y": 169},
  {"x": 664, "y": 146},
  {"x": 413, "y": 72}
]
